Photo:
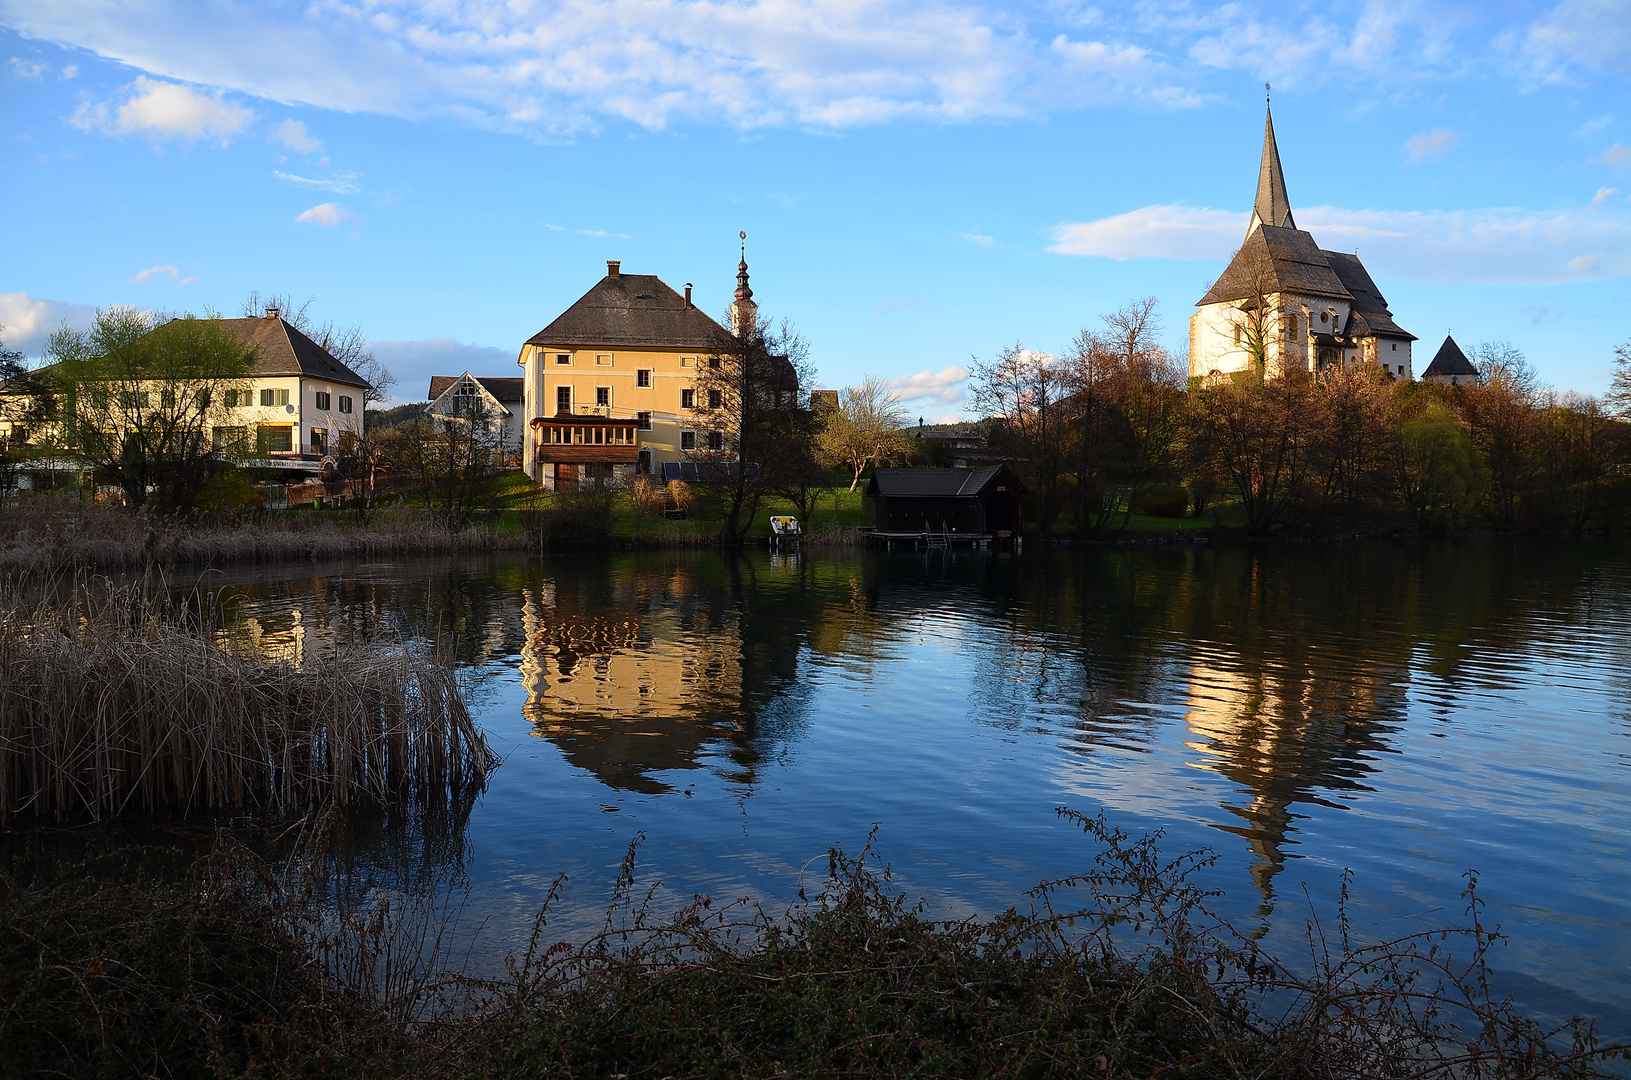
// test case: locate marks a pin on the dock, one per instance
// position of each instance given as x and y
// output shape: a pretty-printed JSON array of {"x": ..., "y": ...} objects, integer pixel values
[{"x": 926, "y": 540}]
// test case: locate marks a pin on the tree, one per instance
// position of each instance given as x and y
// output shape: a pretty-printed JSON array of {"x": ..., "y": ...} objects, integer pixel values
[
  {"x": 27, "y": 399},
  {"x": 446, "y": 458},
  {"x": 865, "y": 429},
  {"x": 756, "y": 432},
  {"x": 1618, "y": 398},
  {"x": 347, "y": 344},
  {"x": 1437, "y": 473},
  {"x": 1257, "y": 435},
  {"x": 1022, "y": 392},
  {"x": 1354, "y": 444},
  {"x": 1501, "y": 416},
  {"x": 142, "y": 397}
]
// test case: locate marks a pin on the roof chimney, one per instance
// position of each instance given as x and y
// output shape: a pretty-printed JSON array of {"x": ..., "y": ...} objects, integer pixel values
[
  {"x": 272, "y": 311},
  {"x": 612, "y": 267},
  {"x": 688, "y": 295}
]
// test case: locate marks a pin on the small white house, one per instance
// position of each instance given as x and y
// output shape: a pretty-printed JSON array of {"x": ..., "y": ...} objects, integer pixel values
[{"x": 496, "y": 397}]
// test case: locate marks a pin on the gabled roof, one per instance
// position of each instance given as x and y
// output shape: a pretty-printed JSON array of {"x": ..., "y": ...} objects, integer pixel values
[
  {"x": 503, "y": 388},
  {"x": 937, "y": 483},
  {"x": 631, "y": 310},
  {"x": 281, "y": 350},
  {"x": 1273, "y": 205},
  {"x": 1276, "y": 260},
  {"x": 1450, "y": 360},
  {"x": 1371, "y": 316}
]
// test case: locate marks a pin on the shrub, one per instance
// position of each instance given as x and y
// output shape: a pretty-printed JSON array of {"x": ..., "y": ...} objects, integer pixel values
[{"x": 1169, "y": 501}]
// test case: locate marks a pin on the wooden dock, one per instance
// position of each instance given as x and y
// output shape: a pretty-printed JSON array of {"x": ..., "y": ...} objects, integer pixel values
[{"x": 926, "y": 540}]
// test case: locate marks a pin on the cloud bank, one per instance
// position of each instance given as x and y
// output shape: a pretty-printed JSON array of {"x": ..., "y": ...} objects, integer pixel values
[
  {"x": 414, "y": 362},
  {"x": 565, "y": 65},
  {"x": 1500, "y": 246},
  {"x": 27, "y": 321},
  {"x": 944, "y": 387}
]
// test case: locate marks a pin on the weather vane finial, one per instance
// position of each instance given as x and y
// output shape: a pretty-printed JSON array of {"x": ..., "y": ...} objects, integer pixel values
[
  {"x": 744, "y": 236},
  {"x": 1267, "y": 91}
]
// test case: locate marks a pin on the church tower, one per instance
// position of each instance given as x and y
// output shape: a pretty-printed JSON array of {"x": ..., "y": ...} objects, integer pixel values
[
  {"x": 744, "y": 312},
  {"x": 1284, "y": 304}
]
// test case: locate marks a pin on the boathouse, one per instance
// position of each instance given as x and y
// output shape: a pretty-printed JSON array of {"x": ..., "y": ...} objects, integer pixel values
[{"x": 981, "y": 502}]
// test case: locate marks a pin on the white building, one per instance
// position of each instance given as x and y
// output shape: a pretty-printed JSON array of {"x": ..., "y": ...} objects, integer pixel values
[
  {"x": 500, "y": 403},
  {"x": 1284, "y": 304}
]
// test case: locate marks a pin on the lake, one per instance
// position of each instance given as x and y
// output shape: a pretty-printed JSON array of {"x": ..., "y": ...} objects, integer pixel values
[{"x": 1406, "y": 710}]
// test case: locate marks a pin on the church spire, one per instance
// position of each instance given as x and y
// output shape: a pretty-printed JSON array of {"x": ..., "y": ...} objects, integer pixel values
[
  {"x": 744, "y": 312},
  {"x": 1273, "y": 205}
]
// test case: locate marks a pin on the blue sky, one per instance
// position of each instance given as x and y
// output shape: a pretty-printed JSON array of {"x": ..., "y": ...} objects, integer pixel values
[{"x": 920, "y": 182}]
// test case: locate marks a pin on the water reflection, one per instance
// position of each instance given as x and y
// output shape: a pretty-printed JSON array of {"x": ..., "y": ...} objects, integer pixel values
[{"x": 1290, "y": 676}]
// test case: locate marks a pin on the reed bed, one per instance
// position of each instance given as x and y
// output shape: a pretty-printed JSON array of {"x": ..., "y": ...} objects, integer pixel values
[
  {"x": 121, "y": 704},
  {"x": 44, "y": 534}
]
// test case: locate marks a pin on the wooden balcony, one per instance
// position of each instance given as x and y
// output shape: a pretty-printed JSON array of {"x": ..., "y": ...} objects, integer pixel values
[{"x": 583, "y": 455}]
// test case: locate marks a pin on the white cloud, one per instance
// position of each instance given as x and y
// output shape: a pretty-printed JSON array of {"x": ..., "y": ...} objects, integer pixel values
[
  {"x": 1616, "y": 157},
  {"x": 323, "y": 214},
  {"x": 945, "y": 387},
  {"x": 292, "y": 133},
  {"x": 1603, "y": 195},
  {"x": 1500, "y": 245},
  {"x": 1431, "y": 146},
  {"x": 977, "y": 238},
  {"x": 414, "y": 362},
  {"x": 344, "y": 184},
  {"x": 163, "y": 110},
  {"x": 1161, "y": 232},
  {"x": 1593, "y": 126},
  {"x": 69, "y": 71},
  {"x": 171, "y": 272},
  {"x": 1591, "y": 34},
  {"x": 27, "y": 69},
  {"x": 26, "y": 321}
]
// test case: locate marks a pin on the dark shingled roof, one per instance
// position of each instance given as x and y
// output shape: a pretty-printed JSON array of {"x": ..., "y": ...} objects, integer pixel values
[
  {"x": 631, "y": 310},
  {"x": 1371, "y": 316},
  {"x": 281, "y": 350},
  {"x": 935, "y": 483},
  {"x": 1450, "y": 361},
  {"x": 504, "y": 388},
  {"x": 1294, "y": 264},
  {"x": 1273, "y": 206}
]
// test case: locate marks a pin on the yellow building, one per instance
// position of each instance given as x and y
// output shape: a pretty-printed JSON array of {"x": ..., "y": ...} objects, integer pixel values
[{"x": 610, "y": 386}]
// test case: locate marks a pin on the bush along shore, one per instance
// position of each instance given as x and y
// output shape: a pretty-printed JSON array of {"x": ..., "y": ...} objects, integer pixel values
[{"x": 237, "y": 968}]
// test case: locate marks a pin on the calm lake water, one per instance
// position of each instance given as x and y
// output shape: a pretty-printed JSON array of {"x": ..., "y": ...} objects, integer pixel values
[{"x": 1408, "y": 711}]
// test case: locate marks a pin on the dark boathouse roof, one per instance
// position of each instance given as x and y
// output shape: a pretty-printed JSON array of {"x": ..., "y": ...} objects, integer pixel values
[
  {"x": 631, "y": 310},
  {"x": 281, "y": 350},
  {"x": 1450, "y": 360},
  {"x": 938, "y": 483},
  {"x": 504, "y": 388}
]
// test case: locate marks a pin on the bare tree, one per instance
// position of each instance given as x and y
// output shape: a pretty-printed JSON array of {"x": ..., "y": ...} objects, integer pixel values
[
  {"x": 1618, "y": 398},
  {"x": 446, "y": 458},
  {"x": 1023, "y": 393},
  {"x": 1506, "y": 362},
  {"x": 865, "y": 429},
  {"x": 347, "y": 344},
  {"x": 756, "y": 431}
]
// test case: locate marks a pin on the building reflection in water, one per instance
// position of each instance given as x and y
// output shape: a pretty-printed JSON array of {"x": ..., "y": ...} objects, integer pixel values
[{"x": 629, "y": 686}]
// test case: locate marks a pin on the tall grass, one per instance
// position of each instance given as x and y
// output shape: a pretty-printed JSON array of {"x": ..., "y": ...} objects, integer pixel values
[
  {"x": 120, "y": 703},
  {"x": 46, "y": 534}
]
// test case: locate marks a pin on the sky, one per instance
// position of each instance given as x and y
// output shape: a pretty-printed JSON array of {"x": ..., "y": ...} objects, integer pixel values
[{"x": 921, "y": 183}]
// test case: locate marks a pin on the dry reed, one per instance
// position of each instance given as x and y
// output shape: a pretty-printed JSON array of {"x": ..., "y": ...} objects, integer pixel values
[
  {"x": 46, "y": 534},
  {"x": 115, "y": 705}
]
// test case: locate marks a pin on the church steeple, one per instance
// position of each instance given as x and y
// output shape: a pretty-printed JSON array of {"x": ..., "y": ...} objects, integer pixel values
[
  {"x": 1273, "y": 206},
  {"x": 744, "y": 312}
]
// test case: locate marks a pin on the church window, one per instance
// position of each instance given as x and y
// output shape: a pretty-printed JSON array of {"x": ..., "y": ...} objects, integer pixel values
[{"x": 1395, "y": 346}]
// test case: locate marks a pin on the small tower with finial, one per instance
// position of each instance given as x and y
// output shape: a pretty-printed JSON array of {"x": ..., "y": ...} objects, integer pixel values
[{"x": 744, "y": 312}]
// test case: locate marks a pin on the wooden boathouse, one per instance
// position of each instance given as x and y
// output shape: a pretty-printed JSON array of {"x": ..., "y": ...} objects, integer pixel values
[{"x": 971, "y": 506}]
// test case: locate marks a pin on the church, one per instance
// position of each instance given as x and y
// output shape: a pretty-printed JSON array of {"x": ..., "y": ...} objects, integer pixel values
[{"x": 1285, "y": 304}]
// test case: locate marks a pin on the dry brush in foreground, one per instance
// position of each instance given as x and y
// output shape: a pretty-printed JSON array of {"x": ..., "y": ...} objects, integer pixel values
[{"x": 120, "y": 703}]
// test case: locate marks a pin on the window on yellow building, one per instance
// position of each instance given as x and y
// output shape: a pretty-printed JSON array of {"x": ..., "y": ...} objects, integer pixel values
[{"x": 642, "y": 377}]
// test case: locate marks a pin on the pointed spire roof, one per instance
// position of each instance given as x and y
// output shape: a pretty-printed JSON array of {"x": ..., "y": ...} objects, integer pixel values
[
  {"x": 1273, "y": 206},
  {"x": 1449, "y": 361}
]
